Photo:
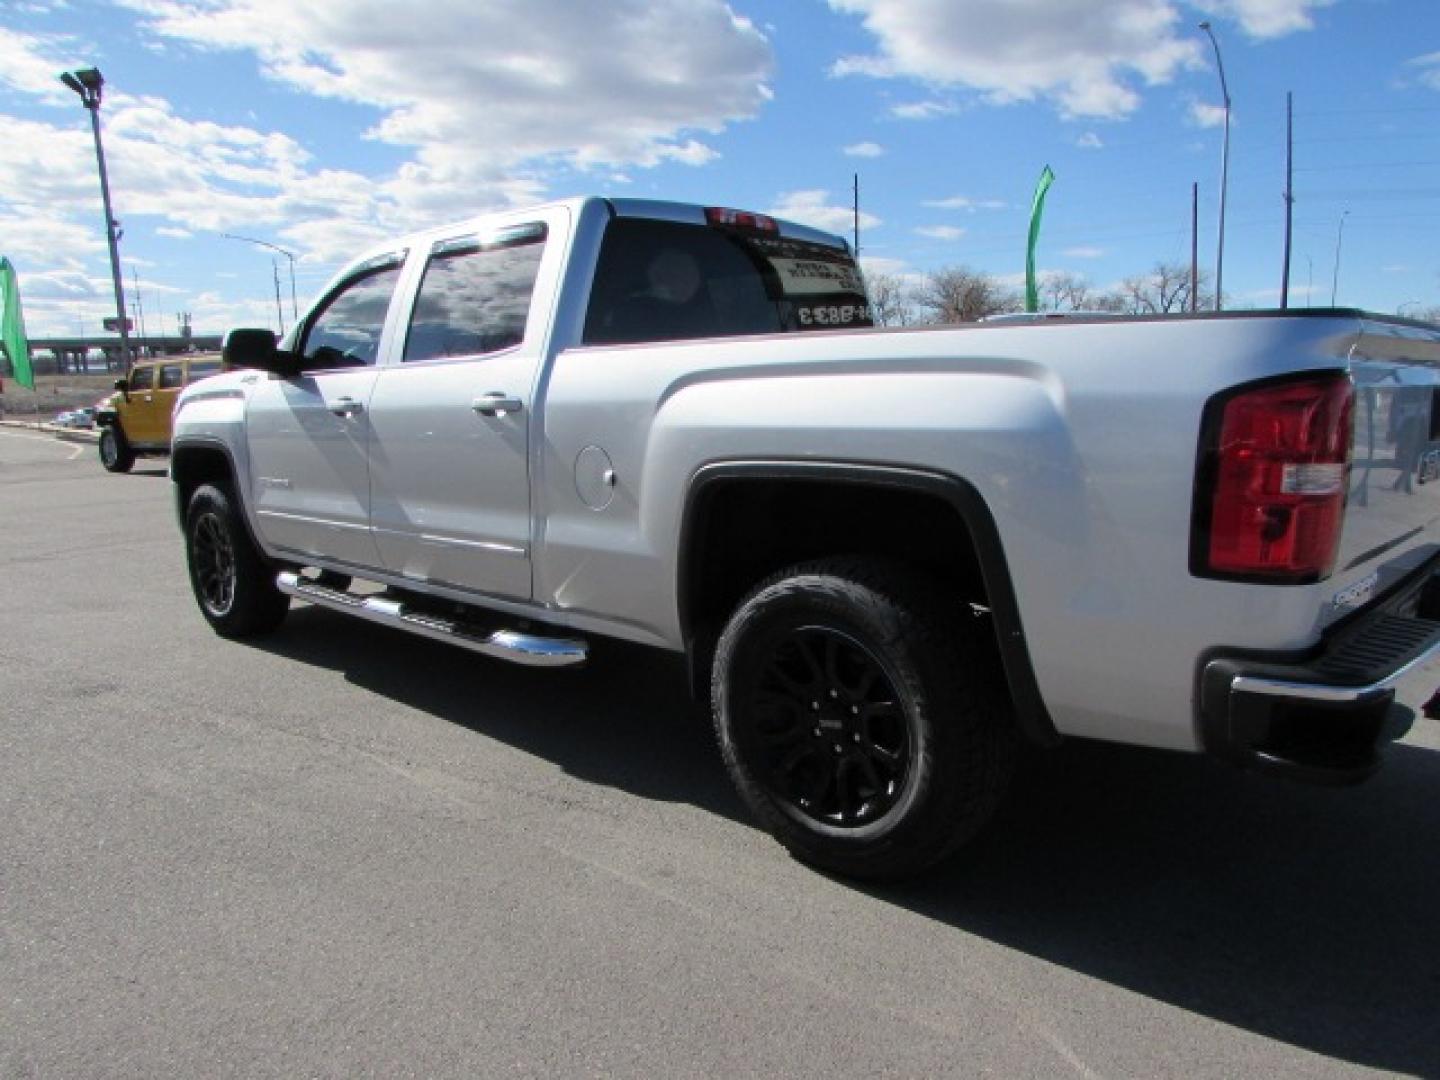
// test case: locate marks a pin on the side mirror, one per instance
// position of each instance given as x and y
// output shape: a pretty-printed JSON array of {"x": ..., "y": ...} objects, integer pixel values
[
  {"x": 256, "y": 349},
  {"x": 122, "y": 386}
]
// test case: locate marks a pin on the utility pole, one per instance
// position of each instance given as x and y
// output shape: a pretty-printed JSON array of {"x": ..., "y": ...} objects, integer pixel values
[
  {"x": 1339, "y": 240},
  {"x": 139, "y": 309},
  {"x": 857, "y": 216},
  {"x": 279, "y": 311},
  {"x": 294, "y": 307},
  {"x": 1194, "y": 247},
  {"x": 1224, "y": 172},
  {"x": 89, "y": 84},
  {"x": 1289, "y": 196}
]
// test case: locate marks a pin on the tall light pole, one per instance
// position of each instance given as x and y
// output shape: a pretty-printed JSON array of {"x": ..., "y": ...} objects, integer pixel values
[
  {"x": 294, "y": 307},
  {"x": 1224, "y": 170},
  {"x": 89, "y": 84},
  {"x": 1339, "y": 239}
]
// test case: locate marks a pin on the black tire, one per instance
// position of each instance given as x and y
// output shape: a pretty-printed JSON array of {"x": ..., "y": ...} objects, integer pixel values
[
  {"x": 232, "y": 584},
  {"x": 116, "y": 454},
  {"x": 860, "y": 716}
]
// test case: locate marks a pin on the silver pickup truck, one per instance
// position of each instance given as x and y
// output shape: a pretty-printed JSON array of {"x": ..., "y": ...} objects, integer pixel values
[{"x": 891, "y": 557}]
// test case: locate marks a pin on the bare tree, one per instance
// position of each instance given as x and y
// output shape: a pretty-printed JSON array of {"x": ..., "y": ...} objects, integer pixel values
[
  {"x": 889, "y": 300},
  {"x": 956, "y": 294},
  {"x": 1062, "y": 290},
  {"x": 1164, "y": 290}
]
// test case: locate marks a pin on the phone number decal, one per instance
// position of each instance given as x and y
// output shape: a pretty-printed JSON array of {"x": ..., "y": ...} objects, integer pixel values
[{"x": 834, "y": 315}]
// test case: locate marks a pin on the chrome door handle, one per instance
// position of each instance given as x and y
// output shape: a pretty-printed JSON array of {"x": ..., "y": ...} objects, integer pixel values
[
  {"x": 497, "y": 404},
  {"x": 345, "y": 406}
]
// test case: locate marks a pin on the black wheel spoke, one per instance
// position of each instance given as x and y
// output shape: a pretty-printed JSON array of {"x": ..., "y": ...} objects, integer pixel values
[{"x": 826, "y": 725}]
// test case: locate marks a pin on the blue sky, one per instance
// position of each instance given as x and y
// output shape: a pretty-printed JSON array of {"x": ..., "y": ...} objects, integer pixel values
[{"x": 322, "y": 127}]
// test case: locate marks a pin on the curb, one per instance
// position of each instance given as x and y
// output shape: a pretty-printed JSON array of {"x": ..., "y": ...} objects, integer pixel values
[{"x": 80, "y": 435}]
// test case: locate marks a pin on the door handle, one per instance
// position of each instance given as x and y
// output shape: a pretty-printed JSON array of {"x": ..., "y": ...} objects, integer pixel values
[
  {"x": 497, "y": 404},
  {"x": 345, "y": 406}
]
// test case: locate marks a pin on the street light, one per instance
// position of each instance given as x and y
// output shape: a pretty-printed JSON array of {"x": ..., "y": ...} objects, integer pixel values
[
  {"x": 89, "y": 84},
  {"x": 294, "y": 307},
  {"x": 1339, "y": 239},
  {"x": 1224, "y": 170}
]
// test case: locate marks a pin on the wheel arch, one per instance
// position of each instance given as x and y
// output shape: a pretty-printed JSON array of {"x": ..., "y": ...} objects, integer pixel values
[
  {"x": 812, "y": 509},
  {"x": 197, "y": 461}
]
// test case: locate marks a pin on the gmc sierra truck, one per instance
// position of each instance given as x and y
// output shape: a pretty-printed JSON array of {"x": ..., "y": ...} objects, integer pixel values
[{"x": 890, "y": 557}]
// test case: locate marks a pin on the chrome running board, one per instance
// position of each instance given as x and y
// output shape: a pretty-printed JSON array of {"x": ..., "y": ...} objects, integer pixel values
[{"x": 529, "y": 649}]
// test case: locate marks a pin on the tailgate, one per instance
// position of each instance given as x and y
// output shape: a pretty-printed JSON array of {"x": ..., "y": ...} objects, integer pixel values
[{"x": 1392, "y": 515}]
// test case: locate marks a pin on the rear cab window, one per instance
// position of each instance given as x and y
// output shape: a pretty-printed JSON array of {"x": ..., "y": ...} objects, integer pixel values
[
  {"x": 474, "y": 297},
  {"x": 669, "y": 281}
]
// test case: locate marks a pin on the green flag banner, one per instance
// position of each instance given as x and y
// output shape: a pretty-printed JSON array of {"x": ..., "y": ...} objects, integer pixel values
[
  {"x": 1037, "y": 210},
  {"x": 12, "y": 327}
]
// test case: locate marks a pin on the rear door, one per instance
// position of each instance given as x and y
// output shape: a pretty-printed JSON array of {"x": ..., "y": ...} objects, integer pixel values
[
  {"x": 309, "y": 435},
  {"x": 169, "y": 381},
  {"x": 450, "y": 473}
]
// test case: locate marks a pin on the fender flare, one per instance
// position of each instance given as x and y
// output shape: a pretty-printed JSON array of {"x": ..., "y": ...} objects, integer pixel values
[{"x": 1032, "y": 717}]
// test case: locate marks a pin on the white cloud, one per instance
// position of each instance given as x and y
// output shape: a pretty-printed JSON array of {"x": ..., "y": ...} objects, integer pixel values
[
  {"x": 1089, "y": 141},
  {"x": 811, "y": 208},
  {"x": 628, "y": 89},
  {"x": 1083, "y": 55},
  {"x": 26, "y": 68},
  {"x": 174, "y": 233},
  {"x": 1429, "y": 66},
  {"x": 864, "y": 150},
  {"x": 1267, "y": 18},
  {"x": 485, "y": 127},
  {"x": 1084, "y": 253},
  {"x": 964, "y": 202},
  {"x": 1205, "y": 115},
  {"x": 940, "y": 232},
  {"x": 920, "y": 110}
]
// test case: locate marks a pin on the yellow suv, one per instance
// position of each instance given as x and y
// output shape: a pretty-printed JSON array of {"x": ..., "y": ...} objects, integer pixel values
[{"x": 136, "y": 420}]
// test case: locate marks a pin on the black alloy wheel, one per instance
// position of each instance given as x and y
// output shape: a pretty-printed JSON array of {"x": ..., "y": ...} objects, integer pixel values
[
  {"x": 214, "y": 564},
  {"x": 827, "y": 725},
  {"x": 233, "y": 585},
  {"x": 860, "y": 715}
]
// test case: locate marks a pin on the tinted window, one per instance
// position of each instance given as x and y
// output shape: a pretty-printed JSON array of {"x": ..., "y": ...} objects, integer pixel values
[
  {"x": 142, "y": 378},
  {"x": 346, "y": 333},
  {"x": 474, "y": 298},
  {"x": 171, "y": 377},
  {"x": 202, "y": 369},
  {"x": 661, "y": 281}
]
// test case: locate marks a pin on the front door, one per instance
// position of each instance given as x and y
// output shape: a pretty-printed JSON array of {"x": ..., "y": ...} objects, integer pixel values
[
  {"x": 309, "y": 436},
  {"x": 141, "y": 420},
  {"x": 449, "y": 475}
]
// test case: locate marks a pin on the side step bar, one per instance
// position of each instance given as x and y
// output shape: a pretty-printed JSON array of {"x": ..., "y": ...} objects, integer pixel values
[{"x": 528, "y": 649}]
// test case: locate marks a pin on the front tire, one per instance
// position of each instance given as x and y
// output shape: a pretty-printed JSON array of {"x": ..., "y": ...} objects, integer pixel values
[
  {"x": 859, "y": 716},
  {"x": 232, "y": 584},
  {"x": 116, "y": 454}
]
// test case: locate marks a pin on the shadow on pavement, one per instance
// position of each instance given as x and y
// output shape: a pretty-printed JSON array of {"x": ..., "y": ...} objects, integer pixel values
[
  {"x": 625, "y": 720},
  {"x": 1306, "y": 915}
]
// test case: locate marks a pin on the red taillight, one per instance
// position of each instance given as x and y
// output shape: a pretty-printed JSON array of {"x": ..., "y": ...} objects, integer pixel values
[
  {"x": 1274, "y": 469},
  {"x": 740, "y": 219}
]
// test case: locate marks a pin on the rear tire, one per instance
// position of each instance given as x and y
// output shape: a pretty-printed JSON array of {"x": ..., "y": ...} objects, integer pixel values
[
  {"x": 116, "y": 454},
  {"x": 234, "y": 587},
  {"x": 860, "y": 717}
]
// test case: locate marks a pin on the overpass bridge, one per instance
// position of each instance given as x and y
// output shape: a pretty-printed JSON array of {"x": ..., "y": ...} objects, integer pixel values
[{"x": 72, "y": 354}]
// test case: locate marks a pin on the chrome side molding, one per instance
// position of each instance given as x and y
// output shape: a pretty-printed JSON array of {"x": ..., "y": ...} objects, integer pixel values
[{"x": 531, "y": 650}]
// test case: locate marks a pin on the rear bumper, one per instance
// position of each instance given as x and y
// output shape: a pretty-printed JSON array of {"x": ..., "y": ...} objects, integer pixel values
[{"x": 1323, "y": 716}]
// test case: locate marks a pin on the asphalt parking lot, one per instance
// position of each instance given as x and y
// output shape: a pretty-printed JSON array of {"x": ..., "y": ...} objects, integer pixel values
[{"x": 344, "y": 851}]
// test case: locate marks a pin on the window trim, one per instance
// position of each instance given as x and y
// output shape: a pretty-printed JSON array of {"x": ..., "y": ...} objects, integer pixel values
[
  {"x": 368, "y": 269},
  {"x": 501, "y": 238}
]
